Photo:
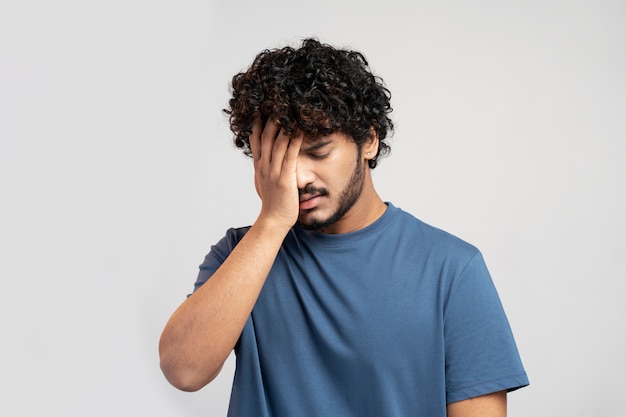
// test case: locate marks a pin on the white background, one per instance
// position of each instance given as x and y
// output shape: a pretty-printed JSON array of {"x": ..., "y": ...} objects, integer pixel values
[{"x": 117, "y": 174}]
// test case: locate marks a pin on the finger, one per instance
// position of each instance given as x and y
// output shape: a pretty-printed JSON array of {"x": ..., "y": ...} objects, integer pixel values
[
  {"x": 255, "y": 138},
  {"x": 291, "y": 156},
  {"x": 279, "y": 151},
  {"x": 270, "y": 130}
]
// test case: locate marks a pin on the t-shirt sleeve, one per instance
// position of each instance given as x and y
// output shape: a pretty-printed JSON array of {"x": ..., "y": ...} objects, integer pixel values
[
  {"x": 217, "y": 255},
  {"x": 481, "y": 355}
]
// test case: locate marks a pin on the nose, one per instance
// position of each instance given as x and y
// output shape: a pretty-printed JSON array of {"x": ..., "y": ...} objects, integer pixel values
[{"x": 304, "y": 173}]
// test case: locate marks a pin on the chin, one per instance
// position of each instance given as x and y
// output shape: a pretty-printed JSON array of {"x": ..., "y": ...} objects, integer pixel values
[{"x": 310, "y": 221}]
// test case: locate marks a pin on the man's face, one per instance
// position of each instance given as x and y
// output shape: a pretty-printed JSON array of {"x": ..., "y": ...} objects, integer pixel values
[{"x": 330, "y": 180}]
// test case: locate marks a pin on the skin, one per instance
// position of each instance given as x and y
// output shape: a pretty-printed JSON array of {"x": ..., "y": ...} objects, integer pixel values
[
  {"x": 335, "y": 191},
  {"x": 312, "y": 197},
  {"x": 298, "y": 180},
  {"x": 490, "y": 405}
]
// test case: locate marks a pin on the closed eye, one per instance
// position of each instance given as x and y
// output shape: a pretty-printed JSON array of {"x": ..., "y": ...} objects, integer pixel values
[
  {"x": 318, "y": 150},
  {"x": 319, "y": 156}
]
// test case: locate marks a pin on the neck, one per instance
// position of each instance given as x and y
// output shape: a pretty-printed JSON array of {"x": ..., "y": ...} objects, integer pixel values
[{"x": 365, "y": 211}]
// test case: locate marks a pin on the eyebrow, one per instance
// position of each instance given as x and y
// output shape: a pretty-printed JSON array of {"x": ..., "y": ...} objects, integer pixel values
[{"x": 316, "y": 146}]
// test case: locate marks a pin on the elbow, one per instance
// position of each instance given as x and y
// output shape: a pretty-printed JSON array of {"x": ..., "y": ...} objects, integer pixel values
[
  {"x": 186, "y": 368},
  {"x": 186, "y": 378},
  {"x": 181, "y": 380}
]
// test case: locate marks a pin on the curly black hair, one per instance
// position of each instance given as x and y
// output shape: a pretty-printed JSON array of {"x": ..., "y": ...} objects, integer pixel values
[{"x": 316, "y": 89}]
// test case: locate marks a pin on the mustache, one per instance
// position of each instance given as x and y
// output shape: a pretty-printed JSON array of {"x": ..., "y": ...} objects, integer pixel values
[{"x": 309, "y": 189}]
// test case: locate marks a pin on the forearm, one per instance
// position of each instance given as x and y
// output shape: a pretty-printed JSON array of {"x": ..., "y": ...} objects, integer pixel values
[{"x": 203, "y": 331}]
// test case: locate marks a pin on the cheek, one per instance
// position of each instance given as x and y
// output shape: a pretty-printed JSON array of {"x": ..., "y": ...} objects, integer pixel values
[
  {"x": 337, "y": 174},
  {"x": 344, "y": 162}
]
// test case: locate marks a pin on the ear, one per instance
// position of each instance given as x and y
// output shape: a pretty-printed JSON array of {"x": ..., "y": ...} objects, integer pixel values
[{"x": 370, "y": 146}]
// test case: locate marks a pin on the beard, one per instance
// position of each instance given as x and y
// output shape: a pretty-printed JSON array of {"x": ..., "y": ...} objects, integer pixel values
[{"x": 347, "y": 198}]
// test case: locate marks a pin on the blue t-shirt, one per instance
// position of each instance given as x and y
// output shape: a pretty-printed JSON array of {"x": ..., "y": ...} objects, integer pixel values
[{"x": 393, "y": 320}]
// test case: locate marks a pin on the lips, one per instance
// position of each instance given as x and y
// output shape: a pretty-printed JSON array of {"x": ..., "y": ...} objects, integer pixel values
[{"x": 309, "y": 202}]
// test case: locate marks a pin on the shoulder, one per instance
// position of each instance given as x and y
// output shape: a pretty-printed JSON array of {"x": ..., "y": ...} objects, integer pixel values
[{"x": 429, "y": 238}]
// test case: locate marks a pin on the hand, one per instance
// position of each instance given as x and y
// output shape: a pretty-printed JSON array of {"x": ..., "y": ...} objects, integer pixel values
[{"x": 275, "y": 161}]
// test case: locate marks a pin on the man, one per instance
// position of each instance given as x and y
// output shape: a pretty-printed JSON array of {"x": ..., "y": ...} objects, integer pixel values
[{"x": 336, "y": 302}]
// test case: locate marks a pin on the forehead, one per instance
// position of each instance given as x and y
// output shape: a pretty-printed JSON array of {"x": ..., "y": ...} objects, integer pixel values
[{"x": 334, "y": 139}]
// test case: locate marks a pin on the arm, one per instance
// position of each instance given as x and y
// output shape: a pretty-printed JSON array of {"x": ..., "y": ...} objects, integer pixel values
[
  {"x": 203, "y": 331},
  {"x": 490, "y": 405}
]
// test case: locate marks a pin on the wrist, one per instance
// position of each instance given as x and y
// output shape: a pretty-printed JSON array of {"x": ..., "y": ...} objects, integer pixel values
[{"x": 271, "y": 225}]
